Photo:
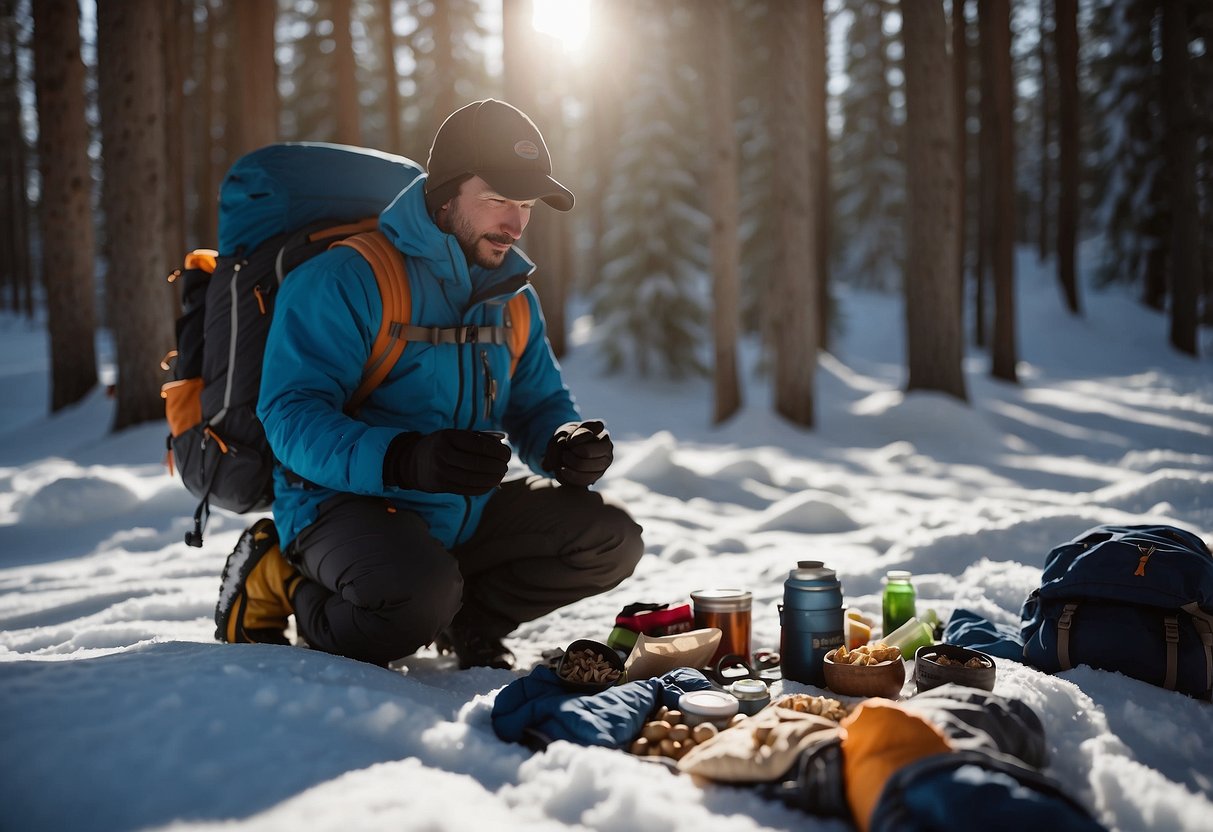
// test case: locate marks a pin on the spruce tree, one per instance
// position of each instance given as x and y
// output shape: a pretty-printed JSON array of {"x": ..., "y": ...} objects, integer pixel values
[
  {"x": 651, "y": 299},
  {"x": 869, "y": 185},
  {"x": 1131, "y": 206}
]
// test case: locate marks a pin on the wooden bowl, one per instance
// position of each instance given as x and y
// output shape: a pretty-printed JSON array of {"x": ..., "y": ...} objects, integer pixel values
[
  {"x": 930, "y": 673},
  {"x": 884, "y": 679},
  {"x": 608, "y": 654}
]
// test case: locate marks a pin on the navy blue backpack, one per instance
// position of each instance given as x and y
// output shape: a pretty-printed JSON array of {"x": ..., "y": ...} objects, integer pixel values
[{"x": 1132, "y": 599}]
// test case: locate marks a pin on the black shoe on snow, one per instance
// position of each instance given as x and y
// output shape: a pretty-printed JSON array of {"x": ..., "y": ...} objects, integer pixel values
[{"x": 473, "y": 648}]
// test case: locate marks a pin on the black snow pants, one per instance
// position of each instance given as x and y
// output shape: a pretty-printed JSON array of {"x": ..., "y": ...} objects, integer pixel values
[{"x": 380, "y": 586}]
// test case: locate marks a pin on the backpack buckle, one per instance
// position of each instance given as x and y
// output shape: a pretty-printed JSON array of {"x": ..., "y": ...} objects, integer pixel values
[{"x": 1172, "y": 629}]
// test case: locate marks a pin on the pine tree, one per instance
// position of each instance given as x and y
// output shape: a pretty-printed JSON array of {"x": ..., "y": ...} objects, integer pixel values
[
  {"x": 448, "y": 67},
  {"x": 1130, "y": 208},
  {"x": 651, "y": 300},
  {"x": 869, "y": 185}
]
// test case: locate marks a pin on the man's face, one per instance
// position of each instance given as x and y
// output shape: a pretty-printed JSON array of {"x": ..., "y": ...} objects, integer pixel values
[{"x": 484, "y": 222}]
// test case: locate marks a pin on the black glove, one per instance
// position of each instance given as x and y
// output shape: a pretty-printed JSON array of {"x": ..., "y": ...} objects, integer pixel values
[
  {"x": 579, "y": 453},
  {"x": 448, "y": 461}
]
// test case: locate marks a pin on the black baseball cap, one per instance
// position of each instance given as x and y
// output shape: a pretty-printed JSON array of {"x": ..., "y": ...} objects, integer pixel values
[{"x": 500, "y": 144}]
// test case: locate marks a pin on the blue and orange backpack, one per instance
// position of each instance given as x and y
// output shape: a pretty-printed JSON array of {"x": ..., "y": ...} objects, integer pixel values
[{"x": 278, "y": 206}]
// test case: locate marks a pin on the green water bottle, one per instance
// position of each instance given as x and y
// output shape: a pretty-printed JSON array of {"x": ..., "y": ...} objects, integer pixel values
[{"x": 898, "y": 603}]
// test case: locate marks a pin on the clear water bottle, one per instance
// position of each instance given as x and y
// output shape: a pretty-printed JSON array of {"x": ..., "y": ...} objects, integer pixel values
[
  {"x": 898, "y": 603},
  {"x": 810, "y": 620}
]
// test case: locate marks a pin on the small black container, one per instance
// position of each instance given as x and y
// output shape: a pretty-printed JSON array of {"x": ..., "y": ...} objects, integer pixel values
[
  {"x": 929, "y": 673},
  {"x": 608, "y": 654}
]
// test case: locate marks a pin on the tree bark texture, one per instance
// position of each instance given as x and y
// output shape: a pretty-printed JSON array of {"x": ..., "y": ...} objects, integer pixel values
[
  {"x": 68, "y": 255},
  {"x": 257, "y": 86},
  {"x": 527, "y": 55},
  {"x": 138, "y": 299},
  {"x": 445, "y": 101},
  {"x": 349, "y": 129},
  {"x": 1065, "y": 29},
  {"x": 1047, "y": 93},
  {"x": 15, "y": 247},
  {"x": 933, "y": 328},
  {"x": 392, "y": 141},
  {"x": 822, "y": 205},
  {"x": 960, "y": 89},
  {"x": 1002, "y": 153},
  {"x": 794, "y": 316},
  {"x": 723, "y": 207},
  {"x": 1180, "y": 142}
]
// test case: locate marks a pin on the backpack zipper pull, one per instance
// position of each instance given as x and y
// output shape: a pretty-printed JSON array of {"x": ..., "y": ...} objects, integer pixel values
[{"x": 490, "y": 385}]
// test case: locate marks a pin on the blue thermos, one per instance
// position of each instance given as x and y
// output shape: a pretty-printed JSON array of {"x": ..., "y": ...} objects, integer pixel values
[{"x": 810, "y": 621}]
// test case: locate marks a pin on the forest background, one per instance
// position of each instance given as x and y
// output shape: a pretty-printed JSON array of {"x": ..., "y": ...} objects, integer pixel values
[{"x": 733, "y": 161}]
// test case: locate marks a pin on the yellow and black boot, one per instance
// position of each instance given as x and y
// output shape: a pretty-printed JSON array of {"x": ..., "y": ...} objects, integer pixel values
[{"x": 256, "y": 594}]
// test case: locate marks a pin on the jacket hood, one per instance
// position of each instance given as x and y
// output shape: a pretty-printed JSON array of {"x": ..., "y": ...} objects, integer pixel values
[{"x": 408, "y": 225}]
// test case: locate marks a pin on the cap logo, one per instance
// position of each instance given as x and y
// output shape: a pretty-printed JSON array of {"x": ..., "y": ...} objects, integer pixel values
[{"x": 526, "y": 149}]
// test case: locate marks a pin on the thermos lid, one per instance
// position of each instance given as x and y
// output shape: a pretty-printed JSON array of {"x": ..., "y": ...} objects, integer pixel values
[
  {"x": 711, "y": 704},
  {"x": 721, "y": 600},
  {"x": 812, "y": 573},
  {"x": 749, "y": 689}
]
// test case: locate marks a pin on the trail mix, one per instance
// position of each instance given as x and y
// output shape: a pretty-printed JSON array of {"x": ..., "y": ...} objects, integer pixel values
[
  {"x": 866, "y": 654},
  {"x": 589, "y": 667}
]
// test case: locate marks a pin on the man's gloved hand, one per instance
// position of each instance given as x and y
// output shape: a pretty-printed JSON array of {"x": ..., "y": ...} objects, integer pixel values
[
  {"x": 579, "y": 453},
  {"x": 447, "y": 461}
]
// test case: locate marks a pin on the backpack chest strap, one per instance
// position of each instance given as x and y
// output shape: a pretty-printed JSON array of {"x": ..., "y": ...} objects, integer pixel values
[{"x": 470, "y": 334}]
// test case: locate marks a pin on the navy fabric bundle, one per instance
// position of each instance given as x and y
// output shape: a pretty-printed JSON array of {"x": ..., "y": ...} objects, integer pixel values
[{"x": 537, "y": 709}]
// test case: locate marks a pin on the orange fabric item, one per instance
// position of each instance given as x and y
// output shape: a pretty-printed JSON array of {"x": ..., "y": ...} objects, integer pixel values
[
  {"x": 519, "y": 310},
  {"x": 879, "y": 737},
  {"x": 182, "y": 404},
  {"x": 202, "y": 258},
  {"x": 388, "y": 265}
]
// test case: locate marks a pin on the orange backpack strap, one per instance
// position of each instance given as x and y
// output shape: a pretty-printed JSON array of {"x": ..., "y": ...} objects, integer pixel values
[
  {"x": 387, "y": 263},
  {"x": 518, "y": 314}
]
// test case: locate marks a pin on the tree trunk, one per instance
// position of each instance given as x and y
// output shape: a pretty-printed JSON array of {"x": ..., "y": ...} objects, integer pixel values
[
  {"x": 349, "y": 131},
  {"x": 1003, "y": 345},
  {"x": 139, "y": 301},
  {"x": 960, "y": 89},
  {"x": 1180, "y": 144},
  {"x": 67, "y": 206},
  {"x": 1066, "y": 32},
  {"x": 206, "y": 179},
  {"x": 986, "y": 178},
  {"x": 723, "y": 207},
  {"x": 257, "y": 86},
  {"x": 934, "y": 341},
  {"x": 445, "y": 101},
  {"x": 794, "y": 318},
  {"x": 15, "y": 252},
  {"x": 526, "y": 55},
  {"x": 392, "y": 141},
  {"x": 822, "y": 205},
  {"x": 174, "y": 212},
  {"x": 1046, "y": 122}
]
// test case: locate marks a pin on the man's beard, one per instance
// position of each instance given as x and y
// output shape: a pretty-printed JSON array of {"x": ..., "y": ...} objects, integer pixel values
[{"x": 454, "y": 222}]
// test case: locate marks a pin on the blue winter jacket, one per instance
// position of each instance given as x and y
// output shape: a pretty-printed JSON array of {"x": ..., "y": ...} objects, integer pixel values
[{"x": 325, "y": 321}]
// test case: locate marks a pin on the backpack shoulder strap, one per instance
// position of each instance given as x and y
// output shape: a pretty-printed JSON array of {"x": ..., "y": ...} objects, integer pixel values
[
  {"x": 518, "y": 313},
  {"x": 387, "y": 263}
]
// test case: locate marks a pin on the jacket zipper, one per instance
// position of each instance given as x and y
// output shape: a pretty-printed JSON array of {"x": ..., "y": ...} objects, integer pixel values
[{"x": 490, "y": 386}]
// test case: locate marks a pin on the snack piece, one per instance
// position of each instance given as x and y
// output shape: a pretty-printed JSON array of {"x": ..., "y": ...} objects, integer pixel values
[
  {"x": 588, "y": 667},
  {"x": 865, "y": 654},
  {"x": 804, "y": 703}
]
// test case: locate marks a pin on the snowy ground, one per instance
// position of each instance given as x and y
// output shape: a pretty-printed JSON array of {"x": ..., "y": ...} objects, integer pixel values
[{"x": 118, "y": 711}]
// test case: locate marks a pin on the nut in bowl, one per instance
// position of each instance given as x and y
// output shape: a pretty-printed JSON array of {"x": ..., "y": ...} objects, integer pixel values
[
  {"x": 938, "y": 664},
  {"x": 869, "y": 670},
  {"x": 589, "y": 666}
]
